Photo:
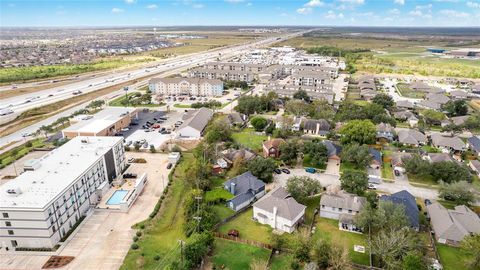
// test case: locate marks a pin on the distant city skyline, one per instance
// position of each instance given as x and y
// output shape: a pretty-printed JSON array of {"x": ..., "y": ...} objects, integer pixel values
[{"x": 438, "y": 13}]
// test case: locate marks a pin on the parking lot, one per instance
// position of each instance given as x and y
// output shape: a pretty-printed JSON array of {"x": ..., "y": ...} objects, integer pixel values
[
  {"x": 185, "y": 100},
  {"x": 147, "y": 137}
]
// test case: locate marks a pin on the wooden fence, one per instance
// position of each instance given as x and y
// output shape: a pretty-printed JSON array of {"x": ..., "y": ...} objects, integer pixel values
[{"x": 245, "y": 241}]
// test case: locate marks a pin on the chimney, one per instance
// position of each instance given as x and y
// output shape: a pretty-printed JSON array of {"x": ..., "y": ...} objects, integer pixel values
[{"x": 232, "y": 188}]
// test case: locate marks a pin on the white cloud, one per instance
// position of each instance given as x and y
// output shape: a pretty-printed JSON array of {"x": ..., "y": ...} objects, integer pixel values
[
  {"x": 416, "y": 13},
  {"x": 304, "y": 10},
  {"x": 429, "y": 6},
  {"x": 471, "y": 4},
  {"x": 152, "y": 6},
  {"x": 340, "y": 15},
  {"x": 332, "y": 15},
  {"x": 454, "y": 14},
  {"x": 117, "y": 10},
  {"x": 249, "y": 4},
  {"x": 130, "y": 1},
  {"x": 314, "y": 3},
  {"x": 400, "y": 2},
  {"x": 394, "y": 11},
  {"x": 356, "y": 2},
  {"x": 197, "y": 6}
]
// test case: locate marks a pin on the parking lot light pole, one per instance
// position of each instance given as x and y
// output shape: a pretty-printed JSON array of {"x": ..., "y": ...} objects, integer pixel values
[{"x": 126, "y": 95}]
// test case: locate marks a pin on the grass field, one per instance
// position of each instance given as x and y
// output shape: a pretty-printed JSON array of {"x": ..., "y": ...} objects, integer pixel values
[
  {"x": 236, "y": 256},
  {"x": 387, "y": 170},
  {"x": 452, "y": 258},
  {"x": 425, "y": 181},
  {"x": 281, "y": 261},
  {"x": 406, "y": 91},
  {"x": 328, "y": 229},
  {"x": 8, "y": 157},
  {"x": 248, "y": 228},
  {"x": 249, "y": 138},
  {"x": 162, "y": 233}
]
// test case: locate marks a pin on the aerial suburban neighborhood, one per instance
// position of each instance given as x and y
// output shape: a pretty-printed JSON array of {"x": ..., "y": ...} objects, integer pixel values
[{"x": 239, "y": 147}]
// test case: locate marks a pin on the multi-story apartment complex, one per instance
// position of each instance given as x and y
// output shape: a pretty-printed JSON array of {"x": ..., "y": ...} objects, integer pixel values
[
  {"x": 186, "y": 86},
  {"x": 235, "y": 66},
  {"x": 309, "y": 78},
  {"x": 43, "y": 204},
  {"x": 225, "y": 75}
]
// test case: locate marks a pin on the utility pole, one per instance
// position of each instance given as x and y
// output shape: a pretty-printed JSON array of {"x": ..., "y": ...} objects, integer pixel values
[
  {"x": 125, "y": 88},
  {"x": 181, "y": 251}
]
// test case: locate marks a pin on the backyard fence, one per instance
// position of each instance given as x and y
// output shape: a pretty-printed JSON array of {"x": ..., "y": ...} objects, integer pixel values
[{"x": 245, "y": 241}]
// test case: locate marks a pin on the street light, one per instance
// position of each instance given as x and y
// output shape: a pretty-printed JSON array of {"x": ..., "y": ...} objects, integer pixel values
[{"x": 125, "y": 88}]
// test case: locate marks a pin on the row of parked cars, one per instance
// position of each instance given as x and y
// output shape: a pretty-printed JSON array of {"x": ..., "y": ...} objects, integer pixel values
[{"x": 280, "y": 170}]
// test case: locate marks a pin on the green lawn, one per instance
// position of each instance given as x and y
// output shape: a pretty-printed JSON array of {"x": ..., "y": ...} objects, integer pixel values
[
  {"x": 328, "y": 229},
  {"x": 452, "y": 258},
  {"x": 120, "y": 101},
  {"x": 249, "y": 138},
  {"x": 8, "y": 157},
  {"x": 421, "y": 180},
  {"x": 185, "y": 106},
  {"x": 281, "y": 261},
  {"x": 387, "y": 170},
  {"x": 345, "y": 166},
  {"x": 248, "y": 228},
  {"x": 222, "y": 212},
  {"x": 311, "y": 203},
  {"x": 406, "y": 91},
  {"x": 430, "y": 149},
  {"x": 161, "y": 234},
  {"x": 236, "y": 256},
  {"x": 217, "y": 194},
  {"x": 307, "y": 162}
]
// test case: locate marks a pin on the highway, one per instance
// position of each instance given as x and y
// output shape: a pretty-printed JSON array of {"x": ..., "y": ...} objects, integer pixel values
[{"x": 169, "y": 67}]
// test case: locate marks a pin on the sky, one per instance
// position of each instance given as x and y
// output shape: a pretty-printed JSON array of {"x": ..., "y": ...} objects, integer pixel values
[{"x": 425, "y": 13}]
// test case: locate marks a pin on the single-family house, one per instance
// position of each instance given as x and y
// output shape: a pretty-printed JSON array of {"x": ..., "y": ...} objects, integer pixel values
[
  {"x": 279, "y": 210},
  {"x": 456, "y": 120},
  {"x": 398, "y": 159},
  {"x": 475, "y": 165},
  {"x": 403, "y": 115},
  {"x": 246, "y": 188},
  {"x": 319, "y": 127},
  {"x": 333, "y": 151},
  {"x": 271, "y": 148},
  {"x": 405, "y": 104},
  {"x": 437, "y": 98},
  {"x": 411, "y": 137},
  {"x": 476, "y": 89},
  {"x": 428, "y": 104},
  {"x": 342, "y": 206},
  {"x": 452, "y": 225},
  {"x": 420, "y": 86},
  {"x": 438, "y": 157},
  {"x": 410, "y": 205},
  {"x": 385, "y": 132},
  {"x": 473, "y": 143},
  {"x": 376, "y": 158},
  {"x": 195, "y": 123},
  {"x": 412, "y": 121},
  {"x": 447, "y": 144},
  {"x": 458, "y": 94},
  {"x": 237, "y": 119},
  {"x": 230, "y": 155}
]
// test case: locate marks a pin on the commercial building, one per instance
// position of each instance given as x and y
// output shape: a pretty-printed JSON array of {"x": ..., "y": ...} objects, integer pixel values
[
  {"x": 107, "y": 122},
  {"x": 186, "y": 86},
  {"x": 195, "y": 122},
  {"x": 42, "y": 205}
]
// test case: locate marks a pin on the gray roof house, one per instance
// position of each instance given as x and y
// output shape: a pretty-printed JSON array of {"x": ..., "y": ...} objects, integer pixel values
[
  {"x": 408, "y": 201},
  {"x": 237, "y": 119},
  {"x": 439, "y": 157},
  {"x": 448, "y": 143},
  {"x": 403, "y": 115},
  {"x": 195, "y": 122},
  {"x": 246, "y": 188},
  {"x": 279, "y": 210},
  {"x": 428, "y": 104},
  {"x": 411, "y": 137},
  {"x": 451, "y": 226},
  {"x": 385, "y": 131},
  {"x": 457, "y": 94},
  {"x": 474, "y": 144},
  {"x": 319, "y": 127},
  {"x": 405, "y": 104},
  {"x": 343, "y": 207},
  {"x": 438, "y": 98}
]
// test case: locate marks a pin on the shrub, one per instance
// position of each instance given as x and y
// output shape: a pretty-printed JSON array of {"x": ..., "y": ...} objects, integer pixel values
[
  {"x": 139, "y": 233},
  {"x": 29, "y": 144},
  {"x": 134, "y": 246},
  {"x": 142, "y": 226},
  {"x": 135, "y": 239},
  {"x": 156, "y": 258}
]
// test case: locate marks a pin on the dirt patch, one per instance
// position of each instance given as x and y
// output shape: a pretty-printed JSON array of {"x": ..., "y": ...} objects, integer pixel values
[{"x": 57, "y": 262}]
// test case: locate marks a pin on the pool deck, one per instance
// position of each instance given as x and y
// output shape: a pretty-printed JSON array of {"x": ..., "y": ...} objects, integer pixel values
[{"x": 129, "y": 185}]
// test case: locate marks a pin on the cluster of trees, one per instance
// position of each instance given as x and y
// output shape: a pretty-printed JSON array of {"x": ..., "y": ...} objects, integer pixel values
[
  {"x": 455, "y": 108},
  {"x": 373, "y": 111},
  {"x": 218, "y": 131},
  {"x": 353, "y": 181},
  {"x": 351, "y": 55},
  {"x": 357, "y": 155},
  {"x": 446, "y": 171},
  {"x": 212, "y": 104},
  {"x": 302, "y": 187},
  {"x": 259, "y": 123},
  {"x": 235, "y": 84},
  {"x": 262, "y": 168},
  {"x": 462, "y": 192},
  {"x": 358, "y": 131},
  {"x": 95, "y": 104},
  {"x": 317, "y": 109},
  {"x": 256, "y": 104}
]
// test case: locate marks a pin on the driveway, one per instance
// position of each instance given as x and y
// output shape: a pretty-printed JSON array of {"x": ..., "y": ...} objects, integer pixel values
[
  {"x": 325, "y": 179},
  {"x": 333, "y": 167}
]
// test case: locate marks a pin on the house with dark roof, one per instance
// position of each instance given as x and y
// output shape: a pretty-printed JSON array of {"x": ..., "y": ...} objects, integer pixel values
[
  {"x": 458, "y": 94},
  {"x": 279, "y": 210},
  {"x": 271, "y": 148},
  {"x": 408, "y": 201},
  {"x": 376, "y": 158},
  {"x": 246, "y": 188},
  {"x": 319, "y": 127},
  {"x": 237, "y": 119},
  {"x": 333, "y": 150},
  {"x": 473, "y": 143}
]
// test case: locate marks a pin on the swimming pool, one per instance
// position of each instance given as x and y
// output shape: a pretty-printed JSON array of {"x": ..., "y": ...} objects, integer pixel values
[{"x": 117, "y": 197}]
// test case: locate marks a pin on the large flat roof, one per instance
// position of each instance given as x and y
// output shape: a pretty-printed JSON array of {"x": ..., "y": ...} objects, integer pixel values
[
  {"x": 57, "y": 171},
  {"x": 101, "y": 120}
]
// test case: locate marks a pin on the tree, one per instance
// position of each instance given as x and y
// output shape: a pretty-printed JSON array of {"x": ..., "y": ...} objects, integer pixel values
[
  {"x": 259, "y": 123},
  {"x": 297, "y": 107},
  {"x": 152, "y": 148},
  {"x": 384, "y": 100},
  {"x": 354, "y": 181},
  {"x": 339, "y": 258},
  {"x": 433, "y": 117},
  {"x": 45, "y": 130},
  {"x": 358, "y": 131},
  {"x": 455, "y": 108},
  {"x": 321, "y": 253},
  {"x": 356, "y": 154},
  {"x": 320, "y": 109},
  {"x": 95, "y": 104},
  {"x": 317, "y": 151},
  {"x": 302, "y": 95},
  {"x": 471, "y": 244},
  {"x": 386, "y": 216},
  {"x": 196, "y": 247},
  {"x": 218, "y": 131},
  {"x": 302, "y": 187},
  {"x": 461, "y": 192},
  {"x": 414, "y": 261},
  {"x": 449, "y": 172},
  {"x": 416, "y": 165},
  {"x": 289, "y": 152},
  {"x": 262, "y": 168},
  {"x": 392, "y": 246},
  {"x": 301, "y": 249},
  {"x": 62, "y": 120}
]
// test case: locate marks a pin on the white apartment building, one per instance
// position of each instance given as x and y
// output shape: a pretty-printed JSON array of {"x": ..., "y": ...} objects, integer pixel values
[
  {"x": 42, "y": 205},
  {"x": 186, "y": 86},
  {"x": 225, "y": 75}
]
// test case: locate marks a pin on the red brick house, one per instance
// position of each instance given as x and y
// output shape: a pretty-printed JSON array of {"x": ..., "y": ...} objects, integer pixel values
[{"x": 271, "y": 148}]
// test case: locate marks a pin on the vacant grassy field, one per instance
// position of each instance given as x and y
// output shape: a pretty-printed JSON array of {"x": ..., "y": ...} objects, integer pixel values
[
  {"x": 18, "y": 152},
  {"x": 406, "y": 91},
  {"x": 161, "y": 234},
  {"x": 236, "y": 256},
  {"x": 328, "y": 229},
  {"x": 248, "y": 228},
  {"x": 249, "y": 138},
  {"x": 22, "y": 74},
  {"x": 452, "y": 258}
]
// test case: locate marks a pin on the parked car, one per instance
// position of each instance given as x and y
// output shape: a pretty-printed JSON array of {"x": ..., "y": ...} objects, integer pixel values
[
  {"x": 131, "y": 160},
  {"x": 372, "y": 187},
  {"x": 129, "y": 175},
  {"x": 397, "y": 172},
  {"x": 169, "y": 166},
  {"x": 128, "y": 143},
  {"x": 427, "y": 202},
  {"x": 125, "y": 129},
  {"x": 285, "y": 170},
  {"x": 277, "y": 171},
  {"x": 310, "y": 170}
]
